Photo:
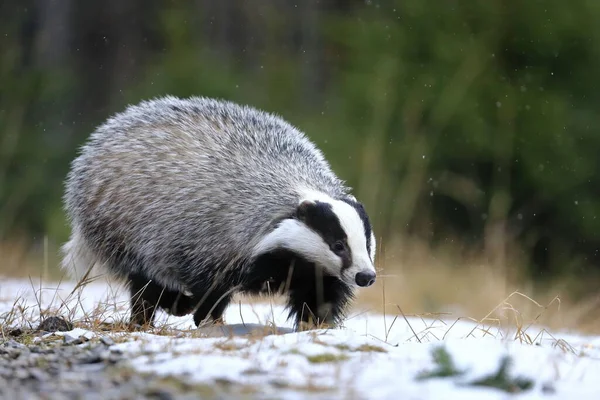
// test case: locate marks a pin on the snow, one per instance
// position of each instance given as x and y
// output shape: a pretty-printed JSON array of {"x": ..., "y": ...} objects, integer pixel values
[{"x": 371, "y": 357}]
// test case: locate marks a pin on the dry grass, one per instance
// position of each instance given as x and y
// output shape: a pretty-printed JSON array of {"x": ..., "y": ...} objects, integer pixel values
[
  {"x": 429, "y": 283},
  {"x": 101, "y": 320},
  {"x": 416, "y": 283}
]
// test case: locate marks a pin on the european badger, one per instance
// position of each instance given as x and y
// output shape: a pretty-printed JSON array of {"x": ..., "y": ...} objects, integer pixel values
[{"x": 190, "y": 201}]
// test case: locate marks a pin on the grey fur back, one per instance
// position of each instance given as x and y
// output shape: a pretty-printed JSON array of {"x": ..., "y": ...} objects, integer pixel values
[{"x": 196, "y": 176}]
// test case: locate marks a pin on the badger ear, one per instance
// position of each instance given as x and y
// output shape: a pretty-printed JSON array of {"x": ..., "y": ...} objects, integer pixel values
[{"x": 303, "y": 209}]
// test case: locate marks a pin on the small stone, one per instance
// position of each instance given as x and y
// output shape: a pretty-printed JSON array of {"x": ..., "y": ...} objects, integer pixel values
[
  {"x": 15, "y": 332},
  {"x": 14, "y": 354},
  {"x": 90, "y": 358},
  {"x": 70, "y": 340},
  {"x": 279, "y": 383},
  {"x": 254, "y": 371},
  {"x": 21, "y": 374},
  {"x": 114, "y": 358},
  {"x": 107, "y": 341},
  {"x": 548, "y": 388},
  {"x": 160, "y": 394},
  {"x": 13, "y": 344},
  {"x": 38, "y": 374},
  {"x": 92, "y": 368},
  {"x": 223, "y": 381},
  {"x": 54, "y": 324}
]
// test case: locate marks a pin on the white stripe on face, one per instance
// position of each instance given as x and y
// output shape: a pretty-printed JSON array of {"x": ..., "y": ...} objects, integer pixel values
[
  {"x": 295, "y": 236},
  {"x": 355, "y": 230},
  {"x": 373, "y": 246}
]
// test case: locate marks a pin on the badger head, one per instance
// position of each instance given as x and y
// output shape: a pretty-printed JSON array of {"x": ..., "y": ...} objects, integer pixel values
[{"x": 334, "y": 234}]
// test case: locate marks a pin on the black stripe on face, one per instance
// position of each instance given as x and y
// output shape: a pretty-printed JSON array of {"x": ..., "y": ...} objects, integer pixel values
[
  {"x": 320, "y": 217},
  {"x": 364, "y": 217}
]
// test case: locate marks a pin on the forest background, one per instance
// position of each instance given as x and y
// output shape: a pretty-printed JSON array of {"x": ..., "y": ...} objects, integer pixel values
[{"x": 468, "y": 129}]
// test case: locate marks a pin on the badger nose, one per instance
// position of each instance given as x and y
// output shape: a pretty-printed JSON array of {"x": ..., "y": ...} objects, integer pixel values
[{"x": 365, "y": 278}]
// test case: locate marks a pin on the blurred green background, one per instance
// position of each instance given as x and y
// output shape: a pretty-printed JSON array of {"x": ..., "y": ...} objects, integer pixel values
[{"x": 470, "y": 125}]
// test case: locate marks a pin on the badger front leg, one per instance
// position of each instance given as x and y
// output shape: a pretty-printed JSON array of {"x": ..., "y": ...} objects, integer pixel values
[
  {"x": 210, "y": 304},
  {"x": 318, "y": 305}
]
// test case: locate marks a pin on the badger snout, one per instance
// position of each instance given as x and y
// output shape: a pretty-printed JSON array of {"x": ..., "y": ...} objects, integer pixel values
[{"x": 365, "y": 278}]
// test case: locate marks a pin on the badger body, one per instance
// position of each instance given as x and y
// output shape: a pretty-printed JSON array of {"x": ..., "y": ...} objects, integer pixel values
[{"x": 190, "y": 201}]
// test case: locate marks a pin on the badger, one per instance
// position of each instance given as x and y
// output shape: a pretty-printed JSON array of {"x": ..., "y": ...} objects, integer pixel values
[{"x": 192, "y": 201}]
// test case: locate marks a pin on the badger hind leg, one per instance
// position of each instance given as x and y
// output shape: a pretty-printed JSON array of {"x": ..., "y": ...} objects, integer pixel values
[{"x": 147, "y": 296}]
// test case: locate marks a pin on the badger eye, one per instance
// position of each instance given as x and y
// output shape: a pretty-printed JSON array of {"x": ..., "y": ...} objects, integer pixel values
[{"x": 338, "y": 246}]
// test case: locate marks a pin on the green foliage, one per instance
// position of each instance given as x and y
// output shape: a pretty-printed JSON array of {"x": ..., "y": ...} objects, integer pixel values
[
  {"x": 500, "y": 380},
  {"x": 462, "y": 105},
  {"x": 444, "y": 366},
  {"x": 32, "y": 161},
  {"x": 448, "y": 120}
]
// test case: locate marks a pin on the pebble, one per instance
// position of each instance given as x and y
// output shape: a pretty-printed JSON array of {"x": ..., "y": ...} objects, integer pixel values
[
  {"x": 107, "y": 341},
  {"x": 15, "y": 332},
  {"x": 13, "y": 344},
  {"x": 58, "y": 369},
  {"x": 54, "y": 324},
  {"x": 70, "y": 340},
  {"x": 38, "y": 374}
]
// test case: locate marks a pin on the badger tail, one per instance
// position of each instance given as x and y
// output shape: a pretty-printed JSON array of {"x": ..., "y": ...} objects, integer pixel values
[{"x": 79, "y": 262}]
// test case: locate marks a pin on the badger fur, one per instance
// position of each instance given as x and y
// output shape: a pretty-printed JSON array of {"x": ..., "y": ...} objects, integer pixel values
[{"x": 190, "y": 201}]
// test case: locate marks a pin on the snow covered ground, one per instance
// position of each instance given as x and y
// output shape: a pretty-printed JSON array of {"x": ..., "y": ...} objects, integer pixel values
[{"x": 372, "y": 357}]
